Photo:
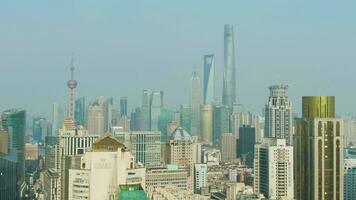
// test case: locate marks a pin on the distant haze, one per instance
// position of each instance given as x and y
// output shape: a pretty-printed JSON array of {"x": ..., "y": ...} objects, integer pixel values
[{"x": 122, "y": 47}]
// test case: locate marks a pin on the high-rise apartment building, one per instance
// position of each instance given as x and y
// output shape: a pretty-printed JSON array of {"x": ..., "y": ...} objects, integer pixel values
[
  {"x": 200, "y": 177},
  {"x": 52, "y": 184},
  {"x": 209, "y": 79},
  {"x": 229, "y": 71},
  {"x": 206, "y": 123},
  {"x": 273, "y": 169},
  {"x": 228, "y": 146},
  {"x": 278, "y": 114},
  {"x": 318, "y": 143},
  {"x": 195, "y": 101},
  {"x": 181, "y": 149},
  {"x": 350, "y": 174},
  {"x": 79, "y": 112}
]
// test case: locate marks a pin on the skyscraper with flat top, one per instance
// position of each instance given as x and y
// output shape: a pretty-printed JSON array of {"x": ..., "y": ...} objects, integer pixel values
[
  {"x": 273, "y": 169},
  {"x": 123, "y": 106},
  {"x": 318, "y": 155},
  {"x": 229, "y": 72},
  {"x": 278, "y": 114},
  {"x": 195, "y": 102},
  {"x": 209, "y": 78},
  {"x": 14, "y": 122}
]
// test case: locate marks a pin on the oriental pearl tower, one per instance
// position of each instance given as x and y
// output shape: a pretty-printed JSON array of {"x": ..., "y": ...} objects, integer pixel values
[{"x": 72, "y": 84}]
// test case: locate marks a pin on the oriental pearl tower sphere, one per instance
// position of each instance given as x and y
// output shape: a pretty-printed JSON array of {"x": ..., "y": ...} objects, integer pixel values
[{"x": 72, "y": 84}]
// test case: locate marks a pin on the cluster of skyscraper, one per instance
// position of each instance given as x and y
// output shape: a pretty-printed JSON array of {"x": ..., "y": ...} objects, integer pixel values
[{"x": 209, "y": 149}]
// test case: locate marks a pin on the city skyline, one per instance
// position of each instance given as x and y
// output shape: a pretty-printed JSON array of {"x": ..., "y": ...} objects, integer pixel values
[{"x": 262, "y": 42}]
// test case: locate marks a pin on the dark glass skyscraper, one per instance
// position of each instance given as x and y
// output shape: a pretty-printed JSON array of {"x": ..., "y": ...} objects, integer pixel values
[
  {"x": 14, "y": 121},
  {"x": 79, "y": 114},
  {"x": 123, "y": 106},
  {"x": 229, "y": 72}
]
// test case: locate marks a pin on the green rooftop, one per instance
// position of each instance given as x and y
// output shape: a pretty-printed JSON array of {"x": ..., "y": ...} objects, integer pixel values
[{"x": 131, "y": 192}]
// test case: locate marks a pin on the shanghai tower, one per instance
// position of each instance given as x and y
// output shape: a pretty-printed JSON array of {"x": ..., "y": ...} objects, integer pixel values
[{"x": 229, "y": 72}]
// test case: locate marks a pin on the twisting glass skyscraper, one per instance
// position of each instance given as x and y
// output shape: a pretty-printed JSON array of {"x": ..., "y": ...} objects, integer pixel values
[
  {"x": 209, "y": 78},
  {"x": 229, "y": 72}
]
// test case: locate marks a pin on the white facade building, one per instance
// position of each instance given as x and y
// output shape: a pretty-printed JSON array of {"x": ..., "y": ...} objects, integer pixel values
[
  {"x": 278, "y": 114},
  {"x": 103, "y": 170},
  {"x": 200, "y": 176},
  {"x": 273, "y": 169}
]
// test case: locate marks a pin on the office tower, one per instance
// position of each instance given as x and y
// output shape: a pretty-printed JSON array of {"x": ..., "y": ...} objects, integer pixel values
[
  {"x": 68, "y": 162},
  {"x": 123, "y": 106},
  {"x": 52, "y": 184},
  {"x": 258, "y": 124},
  {"x": 278, "y": 114},
  {"x": 228, "y": 146},
  {"x": 229, "y": 71},
  {"x": 171, "y": 175},
  {"x": 72, "y": 84},
  {"x": 8, "y": 179},
  {"x": 40, "y": 129},
  {"x": 200, "y": 177},
  {"x": 181, "y": 149},
  {"x": 135, "y": 119},
  {"x": 57, "y": 117},
  {"x": 79, "y": 114},
  {"x": 36, "y": 129},
  {"x": 195, "y": 102},
  {"x": 318, "y": 143},
  {"x": 155, "y": 110},
  {"x": 8, "y": 167},
  {"x": 96, "y": 119},
  {"x": 185, "y": 112},
  {"x": 146, "y": 147},
  {"x": 349, "y": 174},
  {"x": 246, "y": 143},
  {"x": 273, "y": 169},
  {"x": 209, "y": 79},
  {"x": 145, "y": 120},
  {"x": 124, "y": 122},
  {"x": 221, "y": 119},
  {"x": 108, "y": 107},
  {"x": 4, "y": 141},
  {"x": 165, "y": 117},
  {"x": 206, "y": 123},
  {"x": 14, "y": 122},
  {"x": 75, "y": 142},
  {"x": 349, "y": 131},
  {"x": 103, "y": 169}
]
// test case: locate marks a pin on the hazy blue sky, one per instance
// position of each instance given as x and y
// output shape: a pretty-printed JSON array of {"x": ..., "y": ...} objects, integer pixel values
[{"x": 123, "y": 46}]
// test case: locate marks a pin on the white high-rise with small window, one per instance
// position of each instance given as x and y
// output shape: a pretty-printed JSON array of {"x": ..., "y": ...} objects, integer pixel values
[
  {"x": 278, "y": 114},
  {"x": 274, "y": 169}
]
